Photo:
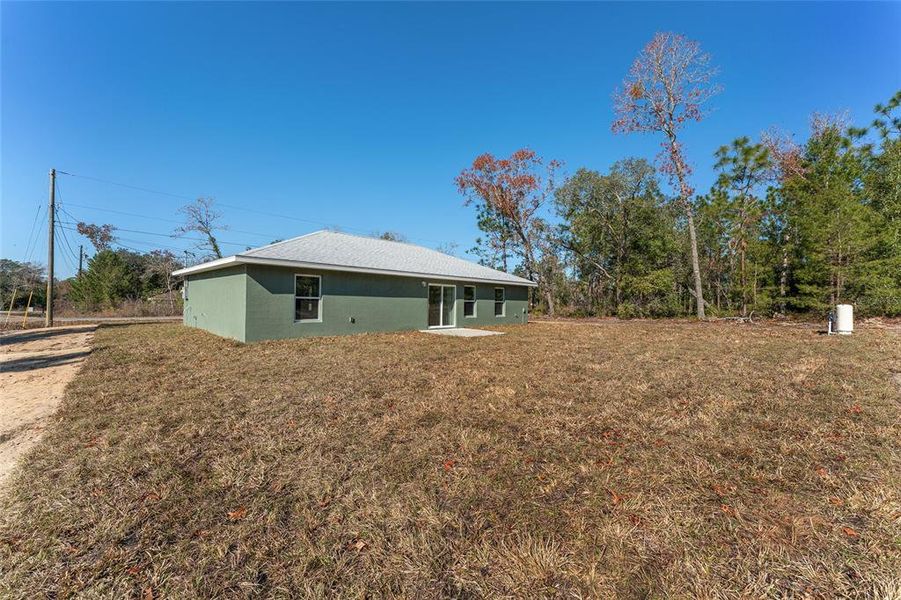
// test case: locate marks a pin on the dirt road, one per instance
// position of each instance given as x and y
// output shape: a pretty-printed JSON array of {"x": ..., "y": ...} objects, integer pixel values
[{"x": 35, "y": 366}]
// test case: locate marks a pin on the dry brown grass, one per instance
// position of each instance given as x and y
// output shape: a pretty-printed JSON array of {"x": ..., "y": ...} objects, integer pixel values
[{"x": 619, "y": 459}]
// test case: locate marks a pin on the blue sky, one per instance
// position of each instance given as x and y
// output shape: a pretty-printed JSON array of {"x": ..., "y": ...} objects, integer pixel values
[{"x": 360, "y": 115}]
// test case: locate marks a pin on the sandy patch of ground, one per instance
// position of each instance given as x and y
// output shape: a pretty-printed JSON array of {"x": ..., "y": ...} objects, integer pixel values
[{"x": 35, "y": 366}]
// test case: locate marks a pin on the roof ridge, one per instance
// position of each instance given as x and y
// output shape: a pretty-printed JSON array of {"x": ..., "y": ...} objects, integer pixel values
[
  {"x": 380, "y": 239},
  {"x": 247, "y": 252}
]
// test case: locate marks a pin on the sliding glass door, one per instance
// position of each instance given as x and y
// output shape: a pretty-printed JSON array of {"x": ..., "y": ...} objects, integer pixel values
[{"x": 441, "y": 305}]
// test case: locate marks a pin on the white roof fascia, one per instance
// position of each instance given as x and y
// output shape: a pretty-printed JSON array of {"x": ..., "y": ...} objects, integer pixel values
[
  {"x": 219, "y": 263},
  {"x": 276, "y": 262}
]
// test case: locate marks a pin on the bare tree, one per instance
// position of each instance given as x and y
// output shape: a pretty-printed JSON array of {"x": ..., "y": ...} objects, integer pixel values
[
  {"x": 666, "y": 87},
  {"x": 785, "y": 154},
  {"x": 200, "y": 216},
  {"x": 449, "y": 248},
  {"x": 392, "y": 236},
  {"x": 100, "y": 236},
  {"x": 162, "y": 263}
]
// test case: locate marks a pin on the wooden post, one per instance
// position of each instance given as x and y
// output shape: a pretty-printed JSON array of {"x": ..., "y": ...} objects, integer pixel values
[
  {"x": 51, "y": 224},
  {"x": 11, "y": 302},
  {"x": 27, "y": 306}
]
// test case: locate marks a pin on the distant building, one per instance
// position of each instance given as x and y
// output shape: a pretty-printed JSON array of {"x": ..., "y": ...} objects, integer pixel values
[{"x": 328, "y": 283}]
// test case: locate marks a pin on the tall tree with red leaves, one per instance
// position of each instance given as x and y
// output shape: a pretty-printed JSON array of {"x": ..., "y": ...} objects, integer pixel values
[
  {"x": 514, "y": 189},
  {"x": 667, "y": 86}
]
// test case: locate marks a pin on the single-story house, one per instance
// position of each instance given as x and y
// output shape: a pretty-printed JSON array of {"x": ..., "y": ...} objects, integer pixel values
[{"x": 330, "y": 283}]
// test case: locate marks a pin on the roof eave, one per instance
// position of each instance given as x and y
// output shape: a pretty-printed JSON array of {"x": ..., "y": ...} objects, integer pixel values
[
  {"x": 276, "y": 262},
  {"x": 219, "y": 263}
]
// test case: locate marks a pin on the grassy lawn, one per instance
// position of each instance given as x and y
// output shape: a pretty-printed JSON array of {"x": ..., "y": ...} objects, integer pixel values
[{"x": 630, "y": 459}]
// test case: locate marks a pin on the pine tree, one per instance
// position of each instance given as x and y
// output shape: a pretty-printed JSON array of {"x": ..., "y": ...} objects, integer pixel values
[{"x": 105, "y": 283}]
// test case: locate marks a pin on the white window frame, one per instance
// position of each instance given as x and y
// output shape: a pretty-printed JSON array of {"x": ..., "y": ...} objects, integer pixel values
[
  {"x": 503, "y": 303},
  {"x": 475, "y": 305},
  {"x": 296, "y": 298}
]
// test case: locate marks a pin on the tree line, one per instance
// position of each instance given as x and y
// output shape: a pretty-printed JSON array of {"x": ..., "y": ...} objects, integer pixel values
[
  {"x": 786, "y": 228},
  {"x": 112, "y": 276},
  {"x": 115, "y": 274}
]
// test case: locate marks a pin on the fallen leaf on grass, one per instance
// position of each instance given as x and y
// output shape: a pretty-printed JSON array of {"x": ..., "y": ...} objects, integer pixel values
[
  {"x": 449, "y": 464},
  {"x": 616, "y": 498},
  {"x": 850, "y": 532},
  {"x": 605, "y": 463},
  {"x": 635, "y": 519},
  {"x": 150, "y": 497},
  {"x": 836, "y": 501},
  {"x": 357, "y": 545},
  {"x": 133, "y": 570},
  {"x": 855, "y": 409},
  {"x": 148, "y": 593},
  {"x": 237, "y": 514},
  {"x": 727, "y": 509},
  {"x": 822, "y": 472}
]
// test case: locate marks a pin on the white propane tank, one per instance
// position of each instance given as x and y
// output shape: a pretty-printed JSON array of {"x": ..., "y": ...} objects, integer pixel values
[{"x": 844, "y": 319}]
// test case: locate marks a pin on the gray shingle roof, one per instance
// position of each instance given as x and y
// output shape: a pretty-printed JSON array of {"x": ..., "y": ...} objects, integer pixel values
[{"x": 341, "y": 251}]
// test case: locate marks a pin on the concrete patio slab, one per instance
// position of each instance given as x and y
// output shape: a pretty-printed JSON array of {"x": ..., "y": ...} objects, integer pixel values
[{"x": 462, "y": 332}]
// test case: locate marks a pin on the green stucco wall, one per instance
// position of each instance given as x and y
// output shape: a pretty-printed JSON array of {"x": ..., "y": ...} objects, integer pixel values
[
  {"x": 217, "y": 301},
  {"x": 255, "y": 302},
  {"x": 375, "y": 302}
]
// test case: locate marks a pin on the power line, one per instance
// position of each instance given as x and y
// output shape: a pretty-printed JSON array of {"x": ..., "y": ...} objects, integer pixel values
[
  {"x": 171, "y": 237},
  {"x": 236, "y": 207},
  {"x": 65, "y": 238},
  {"x": 152, "y": 245},
  {"x": 125, "y": 185},
  {"x": 64, "y": 255},
  {"x": 31, "y": 237},
  {"x": 122, "y": 212},
  {"x": 59, "y": 207},
  {"x": 168, "y": 235},
  {"x": 67, "y": 261},
  {"x": 136, "y": 250},
  {"x": 131, "y": 214},
  {"x": 66, "y": 242}
]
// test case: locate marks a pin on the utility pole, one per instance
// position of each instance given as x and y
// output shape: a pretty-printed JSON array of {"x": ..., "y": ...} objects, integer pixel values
[
  {"x": 48, "y": 312},
  {"x": 80, "y": 257}
]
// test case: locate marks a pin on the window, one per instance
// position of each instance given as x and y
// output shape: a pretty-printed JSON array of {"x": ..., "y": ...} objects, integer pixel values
[
  {"x": 499, "y": 302},
  {"x": 469, "y": 300},
  {"x": 307, "y": 298}
]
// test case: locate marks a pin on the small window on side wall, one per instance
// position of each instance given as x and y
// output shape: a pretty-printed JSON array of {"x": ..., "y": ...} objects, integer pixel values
[
  {"x": 307, "y": 298},
  {"x": 469, "y": 301},
  {"x": 499, "y": 302}
]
